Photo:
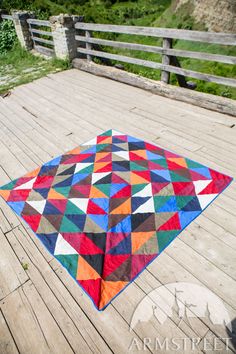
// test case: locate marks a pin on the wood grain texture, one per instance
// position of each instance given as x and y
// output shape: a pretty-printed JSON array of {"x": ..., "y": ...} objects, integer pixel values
[
  {"x": 36, "y": 22},
  {"x": 208, "y": 101},
  {"x": 42, "y": 40},
  {"x": 7, "y": 344},
  {"x": 45, "y": 311},
  {"x": 198, "y": 36},
  {"x": 160, "y": 50},
  {"x": 45, "y": 33},
  {"x": 164, "y": 67},
  {"x": 166, "y": 60},
  {"x": 12, "y": 274},
  {"x": 31, "y": 323}
]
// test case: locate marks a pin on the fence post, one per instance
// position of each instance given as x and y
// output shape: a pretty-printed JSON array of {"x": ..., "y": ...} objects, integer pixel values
[
  {"x": 165, "y": 75},
  {"x": 88, "y": 45},
  {"x": 63, "y": 32},
  {"x": 22, "y": 28},
  {"x": 2, "y": 12}
]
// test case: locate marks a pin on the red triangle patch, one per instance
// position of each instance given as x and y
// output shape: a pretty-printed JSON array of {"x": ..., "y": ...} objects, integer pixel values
[
  {"x": 111, "y": 262},
  {"x": 143, "y": 174},
  {"x": 113, "y": 238},
  {"x": 60, "y": 204},
  {"x": 172, "y": 224},
  {"x": 93, "y": 288},
  {"x": 139, "y": 262},
  {"x": 94, "y": 209},
  {"x": 81, "y": 243},
  {"x": 33, "y": 221},
  {"x": 124, "y": 192}
]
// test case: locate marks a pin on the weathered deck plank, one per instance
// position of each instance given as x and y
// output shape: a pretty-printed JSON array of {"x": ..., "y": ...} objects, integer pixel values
[
  {"x": 74, "y": 324},
  {"x": 12, "y": 274},
  {"x": 54, "y": 114},
  {"x": 31, "y": 324},
  {"x": 7, "y": 344}
]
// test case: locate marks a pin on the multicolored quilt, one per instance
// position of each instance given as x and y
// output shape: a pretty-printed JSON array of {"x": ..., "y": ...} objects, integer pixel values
[{"x": 108, "y": 208}]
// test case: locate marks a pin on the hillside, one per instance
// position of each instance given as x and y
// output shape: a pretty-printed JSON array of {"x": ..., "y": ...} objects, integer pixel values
[
  {"x": 187, "y": 14},
  {"x": 217, "y": 16}
]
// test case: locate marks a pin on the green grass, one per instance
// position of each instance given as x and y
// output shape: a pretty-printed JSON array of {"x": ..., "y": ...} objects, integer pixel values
[
  {"x": 220, "y": 69},
  {"x": 19, "y": 66},
  {"x": 180, "y": 20}
]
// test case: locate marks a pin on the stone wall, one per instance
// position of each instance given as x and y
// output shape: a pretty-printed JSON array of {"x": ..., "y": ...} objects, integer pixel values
[{"x": 216, "y": 15}]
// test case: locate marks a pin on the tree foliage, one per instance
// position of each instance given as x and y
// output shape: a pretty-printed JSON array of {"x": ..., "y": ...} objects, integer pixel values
[{"x": 7, "y": 36}]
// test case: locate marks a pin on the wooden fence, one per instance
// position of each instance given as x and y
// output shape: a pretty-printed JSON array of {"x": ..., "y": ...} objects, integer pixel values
[
  {"x": 42, "y": 37},
  {"x": 38, "y": 33},
  {"x": 6, "y": 17},
  {"x": 170, "y": 63}
]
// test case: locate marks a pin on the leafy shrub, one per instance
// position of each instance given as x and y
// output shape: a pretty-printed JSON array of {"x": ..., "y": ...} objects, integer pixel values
[{"x": 7, "y": 36}]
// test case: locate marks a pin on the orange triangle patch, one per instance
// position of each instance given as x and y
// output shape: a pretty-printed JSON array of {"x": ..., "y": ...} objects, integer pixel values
[
  {"x": 5, "y": 194},
  {"x": 135, "y": 179},
  {"x": 109, "y": 289},
  {"x": 85, "y": 271},
  {"x": 74, "y": 151},
  {"x": 96, "y": 193},
  {"x": 179, "y": 161},
  {"x": 139, "y": 238},
  {"x": 55, "y": 195},
  {"x": 124, "y": 208}
]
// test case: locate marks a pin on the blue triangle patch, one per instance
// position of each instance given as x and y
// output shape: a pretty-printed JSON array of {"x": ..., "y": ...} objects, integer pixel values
[
  {"x": 204, "y": 171},
  {"x": 78, "y": 220},
  {"x": 49, "y": 240},
  {"x": 169, "y": 206},
  {"x": 186, "y": 217},
  {"x": 137, "y": 201},
  {"x": 53, "y": 162},
  {"x": 116, "y": 187},
  {"x": 163, "y": 173},
  {"x": 124, "y": 247},
  {"x": 100, "y": 220},
  {"x": 125, "y": 224},
  {"x": 103, "y": 203},
  {"x": 17, "y": 206}
]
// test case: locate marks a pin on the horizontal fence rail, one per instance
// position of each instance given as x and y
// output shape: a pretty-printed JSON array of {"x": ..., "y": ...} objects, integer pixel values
[
  {"x": 170, "y": 62},
  {"x": 155, "y": 65},
  {"x": 41, "y": 44},
  {"x": 36, "y": 22},
  {"x": 160, "y": 50},
  {"x": 6, "y": 17},
  {"x": 45, "y": 33},
  {"x": 197, "y": 36}
]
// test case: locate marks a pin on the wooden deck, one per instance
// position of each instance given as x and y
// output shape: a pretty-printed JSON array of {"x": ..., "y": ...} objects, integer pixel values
[{"x": 42, "y": 310}]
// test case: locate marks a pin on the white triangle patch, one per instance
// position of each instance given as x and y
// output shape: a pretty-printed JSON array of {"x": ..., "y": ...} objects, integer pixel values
[
  {"x": 123, "y": 154},
  {"x": 63, "y": 247},
  {"x": 80, "y": 166},
  {"x": 205, "y": 199},
  {"x": 201, "y": 184},
  {"x": 147, "y": 207},
  {"x": 27, "y": 185},
  {"x": 115, "y": 132},
  {"x": 97, "y": 176},
  {"x": 81, "y": 203},
  {"x": 145, "y": 192},
  {"x": 38, "y": 205}
]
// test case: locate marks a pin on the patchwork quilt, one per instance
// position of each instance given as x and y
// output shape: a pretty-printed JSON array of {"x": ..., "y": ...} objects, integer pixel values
[{"x": 108, "y": 208}]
